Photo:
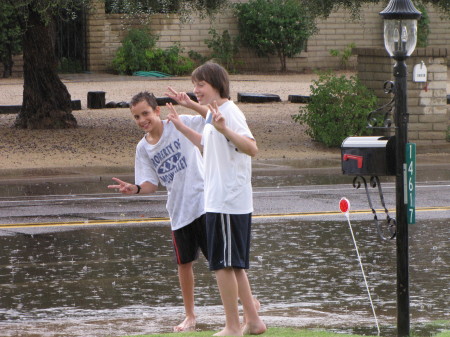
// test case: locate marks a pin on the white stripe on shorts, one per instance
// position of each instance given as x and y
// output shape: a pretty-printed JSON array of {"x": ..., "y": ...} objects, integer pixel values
[
  {"x": 226, "y": 233},
  {"x": 229, "y": 239},
  {"x": 224, "y": 239}
]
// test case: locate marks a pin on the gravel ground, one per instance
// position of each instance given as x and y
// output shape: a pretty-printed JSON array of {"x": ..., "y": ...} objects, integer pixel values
[{"x": 106, "y": 138}]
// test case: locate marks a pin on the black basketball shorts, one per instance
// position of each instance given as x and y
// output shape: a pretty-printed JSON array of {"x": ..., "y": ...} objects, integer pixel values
[
  {"x": 228, "y": 240},
  {"x": 188, "y": 240}
]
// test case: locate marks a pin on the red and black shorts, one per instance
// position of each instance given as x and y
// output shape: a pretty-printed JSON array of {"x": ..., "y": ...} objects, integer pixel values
[
  {"x": 228, "y": 240},
  {"x": 188, "y": 240}
]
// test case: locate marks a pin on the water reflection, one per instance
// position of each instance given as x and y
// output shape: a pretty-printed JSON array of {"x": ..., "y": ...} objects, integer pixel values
[{"x": 117, "y": 281}]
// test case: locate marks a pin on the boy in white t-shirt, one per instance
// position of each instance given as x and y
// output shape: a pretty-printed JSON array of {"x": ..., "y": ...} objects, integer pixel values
[
  {"x": 228, "y": 146},
  {"x": 165, "y": 156}
]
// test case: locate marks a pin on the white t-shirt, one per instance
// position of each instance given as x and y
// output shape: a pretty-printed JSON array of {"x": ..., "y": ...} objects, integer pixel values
[
  {"x": 177, "y": 164},
  {"x": 228, "y": 172}
]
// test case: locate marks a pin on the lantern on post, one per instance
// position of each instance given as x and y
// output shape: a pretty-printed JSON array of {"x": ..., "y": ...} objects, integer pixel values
[
  {"x": 400, "y": 28},
  {"x": 400, "y": 37}
]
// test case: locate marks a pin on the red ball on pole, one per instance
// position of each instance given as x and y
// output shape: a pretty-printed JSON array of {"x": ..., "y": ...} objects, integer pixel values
[{"x": 344, "y": 205}]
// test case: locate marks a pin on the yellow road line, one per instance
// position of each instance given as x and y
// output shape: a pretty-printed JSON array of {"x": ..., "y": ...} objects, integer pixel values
[
  {"x": 379, "y": 211},
  {"x": 163, "y": 219},
  {"x": 84, "y": 223}
]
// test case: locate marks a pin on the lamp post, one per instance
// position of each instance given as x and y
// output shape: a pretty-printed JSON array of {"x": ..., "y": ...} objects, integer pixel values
[{"x": 400, "y": 37}]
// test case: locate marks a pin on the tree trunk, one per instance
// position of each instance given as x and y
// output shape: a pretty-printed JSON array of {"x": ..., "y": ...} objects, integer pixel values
[
  {"x": 282, "y": 57},
  {"x": 46, "y": 100}
]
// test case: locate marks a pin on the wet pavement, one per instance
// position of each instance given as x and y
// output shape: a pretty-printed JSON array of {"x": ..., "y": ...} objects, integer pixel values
[{"x": 118, "y": 279}]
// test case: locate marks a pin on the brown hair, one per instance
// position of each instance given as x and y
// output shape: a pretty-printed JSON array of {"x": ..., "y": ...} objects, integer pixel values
[
  {"x": 145, "y": 96},
  {"x": 215, "y": 75}
]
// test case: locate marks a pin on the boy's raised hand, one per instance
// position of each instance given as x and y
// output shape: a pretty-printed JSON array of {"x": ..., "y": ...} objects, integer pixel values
[
  {"x": 123, "y": 186},
  {"x": 173, "y": 116},
  {"x": 184, "y": 100},
  {"x": 218, "y": 121},
  {"x": 180, "y": 97},
  {"x": 190, "y": 134}
]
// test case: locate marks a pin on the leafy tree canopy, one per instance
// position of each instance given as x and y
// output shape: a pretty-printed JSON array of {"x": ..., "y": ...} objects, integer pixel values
[
  {"x": 274, "y": 27},
  {"x": 323, "y": 8},
  {"x": 162, "y": 6}
]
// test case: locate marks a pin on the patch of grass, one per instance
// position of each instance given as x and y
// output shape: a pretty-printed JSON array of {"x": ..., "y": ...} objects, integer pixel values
[
  {"x": 271, "y": 332},
  {"x": 292, "y": 332},
  {"x": 438, "y": 328},
  {"x": 427, "y": 329},
  {"x": 443, "y": 325},
  {"x": 443, "y": 334}
]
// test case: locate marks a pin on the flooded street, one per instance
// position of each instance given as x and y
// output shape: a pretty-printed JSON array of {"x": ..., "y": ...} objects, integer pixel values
[
  {"x": 119, "y": 281},
  {"x": 110, "y": 272}
]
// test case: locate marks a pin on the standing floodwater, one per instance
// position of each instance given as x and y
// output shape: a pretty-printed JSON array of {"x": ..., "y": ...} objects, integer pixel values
[{"x": 119, "y": 281}]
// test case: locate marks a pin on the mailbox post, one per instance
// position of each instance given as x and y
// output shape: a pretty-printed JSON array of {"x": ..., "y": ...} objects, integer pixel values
[{"x": 400, "y": 37}]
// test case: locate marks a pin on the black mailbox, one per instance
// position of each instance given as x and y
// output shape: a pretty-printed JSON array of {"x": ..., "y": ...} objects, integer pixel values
[{"x": 370, "y": 156}]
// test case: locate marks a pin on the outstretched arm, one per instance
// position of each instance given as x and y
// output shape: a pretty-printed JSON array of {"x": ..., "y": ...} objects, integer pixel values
[
  {"x": 127, "y": 188},
  {"x": 243, "y": 143},
  {"x": 190, "y": 134},
  {"x": 184, "y": 100}
]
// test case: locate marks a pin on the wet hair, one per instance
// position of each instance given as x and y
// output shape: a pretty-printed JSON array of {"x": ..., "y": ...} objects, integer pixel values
[
  {"x": 145, "y": 96},
  {"x": 215, "y": 75}
]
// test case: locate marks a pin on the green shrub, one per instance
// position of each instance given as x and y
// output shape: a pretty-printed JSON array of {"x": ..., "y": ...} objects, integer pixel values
[
  {"x": 138, "y": 53},
  {"x": 131, "y": 56},
  {"x": 224, "y": 48},
  {"x": 198, "y": 58},
  {"x": 344, "y": 55},
  {"x": 274, "y": 27},
  {"x": 338, "y": 109},
  {"x": 169, "y": 61}
]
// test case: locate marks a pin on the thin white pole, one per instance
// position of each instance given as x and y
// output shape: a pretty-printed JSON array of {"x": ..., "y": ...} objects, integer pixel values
[
  {"x": 362, "y": 270},
  {"x": 344, "y": 206}
]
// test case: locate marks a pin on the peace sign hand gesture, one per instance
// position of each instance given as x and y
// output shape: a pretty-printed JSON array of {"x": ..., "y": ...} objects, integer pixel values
[
  {"x": 181, "y": 98},
  {"x": 217, "y": 118},
  {"x": 174, "y": 117},
  {"x": 124, "y": 187}
]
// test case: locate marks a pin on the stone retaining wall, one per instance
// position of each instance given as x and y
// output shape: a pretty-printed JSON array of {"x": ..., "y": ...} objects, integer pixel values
[{"x": 427, "y": 102}]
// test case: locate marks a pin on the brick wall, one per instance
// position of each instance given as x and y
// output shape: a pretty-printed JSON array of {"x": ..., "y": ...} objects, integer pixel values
[
  {"x": 427, "y": 102},
  {"x": 337, "y": 32},
  {"x": 105, "y": 32}
]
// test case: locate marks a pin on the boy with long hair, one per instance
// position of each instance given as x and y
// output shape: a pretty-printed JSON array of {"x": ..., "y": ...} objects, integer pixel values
[{"x": 228, "y": 145}]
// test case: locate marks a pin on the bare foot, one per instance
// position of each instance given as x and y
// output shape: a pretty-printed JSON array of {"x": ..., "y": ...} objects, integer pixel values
[
  {"x": 254, "y": 328},
  {"x": 228, "y": 332},
  {"x": 187, "y": 325}
]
